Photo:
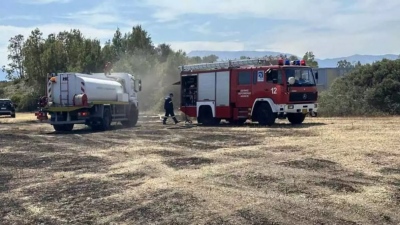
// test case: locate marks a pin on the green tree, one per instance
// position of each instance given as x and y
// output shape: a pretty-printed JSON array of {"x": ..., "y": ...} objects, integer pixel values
[
  {"x": 210, "y": 59},
  {"x": 309, "y": 57},
  {"x": 366, "y": 90},
  {"x": 15, "y": 69},
  {"x": 163, "y": 51}
]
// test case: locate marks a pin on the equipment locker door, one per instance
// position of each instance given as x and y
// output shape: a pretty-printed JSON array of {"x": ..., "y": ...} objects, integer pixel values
[{"x": 243, "y": 87}]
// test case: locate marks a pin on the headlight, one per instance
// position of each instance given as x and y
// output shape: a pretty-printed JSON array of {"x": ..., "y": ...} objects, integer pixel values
[{"x": 290, "y": 106}]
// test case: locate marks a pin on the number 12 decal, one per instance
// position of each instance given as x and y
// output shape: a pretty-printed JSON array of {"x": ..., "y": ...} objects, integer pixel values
[{"x": 273, "y": 90}]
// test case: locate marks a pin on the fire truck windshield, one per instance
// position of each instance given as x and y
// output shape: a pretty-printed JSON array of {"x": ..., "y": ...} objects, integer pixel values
[{"x": 303, "y": 76}]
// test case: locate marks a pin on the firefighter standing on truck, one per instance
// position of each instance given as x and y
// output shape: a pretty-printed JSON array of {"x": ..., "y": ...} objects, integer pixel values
[{"x": 169, "y": 109}]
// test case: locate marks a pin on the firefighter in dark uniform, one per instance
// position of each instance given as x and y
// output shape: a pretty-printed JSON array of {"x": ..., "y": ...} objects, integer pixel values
[{"x": 169, "y": 109}]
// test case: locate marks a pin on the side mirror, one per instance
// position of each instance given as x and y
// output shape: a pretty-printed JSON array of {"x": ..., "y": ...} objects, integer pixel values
[
  {"x": 140, "y": 85},
  {"x": 291, "y": 80},
  {"x": 316, "y": 75}
]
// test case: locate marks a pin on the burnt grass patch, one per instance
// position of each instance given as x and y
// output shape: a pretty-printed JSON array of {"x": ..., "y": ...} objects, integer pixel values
[
  {"x": 164, "y": 206},
  {"x": 246, "y": 154},
  {"x": 81, "y": 163},
  {"x": 77, "y": 163},
  {"x": 390, "y": 170},
  {"x": 265, "y": 183},
  {"x": 153, "y": 135},
  {"x": 230, "y": 139},
  {"x": 312, "y": 164},
  {"x": 292, "y": 132},
  {"x": 338, "y": 185},
  {"x": 75, "y": 200},
  {"x": 188, "y": 162},
  {"x": 129, "y": 175},
  {"x": 5, "y": 178},
  {"x": 24, "y": 143},
  {"x": 166, "y": 153},
  {"x": 163, "y": 153},
  {"x": 28, "y": 161},
  {"x": 285, "y": 149},
  {"x": 211, "y": 142},
  {"x": 253, "y": 217},
  {"x": 10, "y": 206}
]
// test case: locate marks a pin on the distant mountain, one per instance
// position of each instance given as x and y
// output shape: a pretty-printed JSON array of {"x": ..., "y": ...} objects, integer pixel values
[{"x": 329, "y": 62}]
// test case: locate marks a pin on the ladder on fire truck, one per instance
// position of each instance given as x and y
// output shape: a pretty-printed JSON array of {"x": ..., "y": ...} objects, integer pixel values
[
  {"x": 64, "y": 89},
  {"x": 228, "y": 64}
]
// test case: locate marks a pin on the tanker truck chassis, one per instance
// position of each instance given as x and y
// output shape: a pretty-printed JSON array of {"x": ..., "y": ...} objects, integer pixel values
[{"x": 95, "y": 100}]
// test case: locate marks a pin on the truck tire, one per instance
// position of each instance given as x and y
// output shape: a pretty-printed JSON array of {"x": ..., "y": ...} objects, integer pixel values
[
  {"x": 105, "y": 122},
  {"x": 133, "y": 117},
  {"x": 63, "y": 127},
  {"x": 265, "y": 116},
  {"x": 296, "y": 118},
  {"x": 13, "y": 115}
]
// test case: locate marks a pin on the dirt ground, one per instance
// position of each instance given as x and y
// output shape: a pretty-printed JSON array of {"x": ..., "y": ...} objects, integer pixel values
[{"x": 326, "y": 171}]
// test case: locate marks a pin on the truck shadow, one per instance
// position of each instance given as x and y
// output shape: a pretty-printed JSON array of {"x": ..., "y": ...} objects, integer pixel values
[
  {"x": 253, "y": 125},
  {"x": 88, "y": 130},
  {"x": 277, "y": 125}
]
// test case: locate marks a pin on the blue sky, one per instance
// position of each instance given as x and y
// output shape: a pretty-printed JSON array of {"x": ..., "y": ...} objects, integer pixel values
[{"x": 330, "y": 28}]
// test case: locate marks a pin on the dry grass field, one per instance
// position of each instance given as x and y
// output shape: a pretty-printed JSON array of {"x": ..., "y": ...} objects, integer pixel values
[{"x": 326, "y": 171}]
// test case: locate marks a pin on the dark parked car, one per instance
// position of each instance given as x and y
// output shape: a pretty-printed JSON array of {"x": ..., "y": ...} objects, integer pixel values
[{"x": 7, "y": 107}]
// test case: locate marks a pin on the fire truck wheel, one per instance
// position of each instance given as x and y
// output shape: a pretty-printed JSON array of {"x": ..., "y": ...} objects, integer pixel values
[
  {"x": 63, "y": 127},
  {"x": 296, "y": 118},
  {"x": 265, "y": 116}
]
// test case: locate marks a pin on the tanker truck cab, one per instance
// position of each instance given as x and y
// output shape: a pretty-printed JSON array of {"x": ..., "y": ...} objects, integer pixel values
[{"x": 95, "y": 100}]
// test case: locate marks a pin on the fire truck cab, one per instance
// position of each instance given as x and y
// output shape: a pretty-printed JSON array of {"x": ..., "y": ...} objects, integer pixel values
[{"x": 259, "y": 90}]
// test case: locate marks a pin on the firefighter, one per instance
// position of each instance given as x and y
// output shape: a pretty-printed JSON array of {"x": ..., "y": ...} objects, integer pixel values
[{"x": 169, "y": 109}]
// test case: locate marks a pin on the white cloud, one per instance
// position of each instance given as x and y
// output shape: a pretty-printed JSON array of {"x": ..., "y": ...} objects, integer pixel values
[
  {"x": 351, "y": 27},
  {"x": 165, "y": 11},
  {"x": 106, "y": 12},
  {"x": 207, "y": 45},
  {"x": 203, "y": 28}
]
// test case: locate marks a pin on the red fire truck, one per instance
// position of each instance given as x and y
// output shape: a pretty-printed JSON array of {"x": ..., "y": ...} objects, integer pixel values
[{"x": 258, "y": 89}]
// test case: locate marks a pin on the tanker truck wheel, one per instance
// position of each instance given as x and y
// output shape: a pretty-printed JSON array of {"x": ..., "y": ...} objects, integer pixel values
[
  {"x": 105, "y": 122},
  {"x": 133, "y": 117}
]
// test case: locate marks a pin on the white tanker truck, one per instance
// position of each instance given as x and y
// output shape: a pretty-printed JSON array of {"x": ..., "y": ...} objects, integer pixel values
[{"x": 95, "y": 100}]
